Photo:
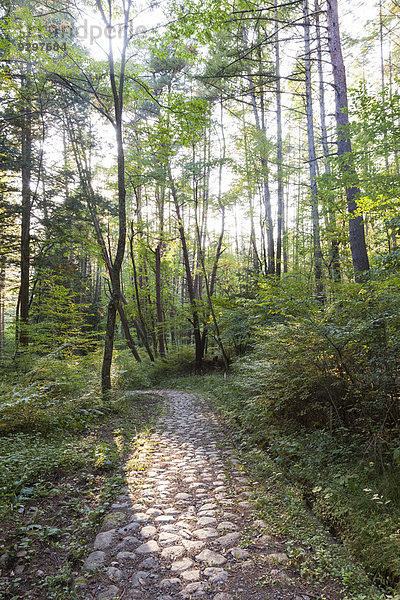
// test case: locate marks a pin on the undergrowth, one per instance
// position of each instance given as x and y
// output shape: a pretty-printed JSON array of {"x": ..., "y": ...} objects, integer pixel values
[
  {"x": 351, "y": 499},
  {"x": 63, "y": 452}
]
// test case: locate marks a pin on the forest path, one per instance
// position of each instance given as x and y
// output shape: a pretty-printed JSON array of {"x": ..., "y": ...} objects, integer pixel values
[{"x": 189, "y": 530}]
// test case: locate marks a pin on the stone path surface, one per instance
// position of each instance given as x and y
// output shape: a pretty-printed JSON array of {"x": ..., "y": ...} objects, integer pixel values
[{"x": 191, "y": 530}]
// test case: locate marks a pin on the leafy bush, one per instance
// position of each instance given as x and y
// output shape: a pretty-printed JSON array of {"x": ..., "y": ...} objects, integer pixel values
[
  {"x": 133, "y": 375},
  {"x": 55, "y": 393},
  {"x": 320, "y": 395},
  {"x": 333, "y": 366}
]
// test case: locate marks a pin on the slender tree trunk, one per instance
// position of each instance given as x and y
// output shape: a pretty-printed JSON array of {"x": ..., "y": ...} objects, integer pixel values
[
  {"x": 261, "y": 128},
  {"x": 160, "y": 316},
  {"x": 312, "y": 159},
  {"x": 128, "y": 337},
  {"x": 285, "y": 234},
  {"x": 109, "y": 344},
  {"x": 141, "y": 324},
  {"x": 2, "y": 301},
  {"x": 199, "y": 347},
  {"x": 279, "y": 148},
  {"x": 219, "y": 250},
  {"x": 257, "y": 265},
  {"x": 210, "y": 305},
  {"x": 218, "y": 253},
  {"x": 334, "y": 267},
  {"x": 356, "y": 226},
  {"x": 26, "y": 147}
]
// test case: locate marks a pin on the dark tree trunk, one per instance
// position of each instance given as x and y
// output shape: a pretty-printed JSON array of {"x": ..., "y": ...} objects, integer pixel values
[
  {"x": 160, "y": 316},
  {"x": 312, "y": 159},
  {"x": 199, "y": 346},
  {"x": 26, "y": 147},
  {"x": 279, "y": 148},
  {"x": 334, "y": 267},
  {"x": 356, "y": 226},
  {"x": 109, "y": 344}
]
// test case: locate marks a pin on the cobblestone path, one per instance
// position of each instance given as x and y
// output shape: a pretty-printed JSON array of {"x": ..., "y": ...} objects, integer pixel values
[{"x": 190, "y": 531}]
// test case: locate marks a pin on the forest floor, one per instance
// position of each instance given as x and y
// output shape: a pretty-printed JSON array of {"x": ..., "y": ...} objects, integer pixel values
[
  {"x": 164, "y": 505},
  {"x": 191, "y": 529}
]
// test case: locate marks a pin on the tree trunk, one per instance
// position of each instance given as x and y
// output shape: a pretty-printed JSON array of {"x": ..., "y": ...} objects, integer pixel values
[
  {"x": 199, "y": 346},
  {"x": 139, "y": 325},
  {"x": 356, "y": 226},
  {"x": 125, "y": 328},
  {"x": 26, "y": 147},
  {"x": 312, "y": 160},
  {"x": 260, "y": 125},
  {"x": 2, "y": 301},
  {"x": 279, "y": 148},
  {"x": 334, "y": 266},
  {"x": 109, "y": 345},
  {"x": 160, "y": 316}
]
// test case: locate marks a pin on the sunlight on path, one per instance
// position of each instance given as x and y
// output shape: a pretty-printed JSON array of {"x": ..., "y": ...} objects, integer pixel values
[{"x": 190, "y": 531}]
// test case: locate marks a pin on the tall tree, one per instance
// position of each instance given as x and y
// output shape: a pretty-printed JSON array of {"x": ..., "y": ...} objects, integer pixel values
[
  {"x": 117, "y": 83},
  {"x": 312, "y": 158},
  {"x": 356, "y": 226}
]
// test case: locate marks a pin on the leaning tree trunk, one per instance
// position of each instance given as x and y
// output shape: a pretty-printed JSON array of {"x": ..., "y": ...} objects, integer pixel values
[{"x": 358, "y": 246}]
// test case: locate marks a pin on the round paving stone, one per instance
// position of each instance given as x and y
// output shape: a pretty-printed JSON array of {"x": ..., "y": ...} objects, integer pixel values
[
  {"x": 139, "y": 578},
  {"x": 192, "y": 575},
  {"x": 148, "y": 531},
  {"x": 194, "y": 590},
  {"x": 203, "y": 521},
  {"x": 95, "y": 560},
  {"x": 167, "y": 583},
  {"x": 205, "y": 533},
  {"x": 181, "y": 565},
  {"x": 104, "y": 540},
  {"x": 239, "y": 553},
  {"x": 173, "y": 552},
  {"x": 229, "y": 539},
  {"x": 148, "y": 547},
  {"x": 226, "y": 526},
  {"x": 183, "y": 496},
  {"x": 115, "y": 574},
  {"x": 211, "y": 558},
  {"x": 109, "y": 594},
  {"x": 279, "y": 558},
  {"x": 167, "y": 539},
  {"x": 126, "y": 556}
]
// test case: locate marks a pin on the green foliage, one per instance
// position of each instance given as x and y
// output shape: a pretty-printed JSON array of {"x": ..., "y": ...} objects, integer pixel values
[
  {"x": 332, "y": 366},
  {"x": 50, "y": 395},
  {"x": 58, "y": 319},
  {"x": 146, "y": 375},
  {"x": 237, "y": 323},
  {"x": 319, "y": 394}
]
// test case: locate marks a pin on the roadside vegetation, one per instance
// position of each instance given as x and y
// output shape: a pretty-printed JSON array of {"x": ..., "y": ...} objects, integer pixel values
[{"x": 63, "y": 451}]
